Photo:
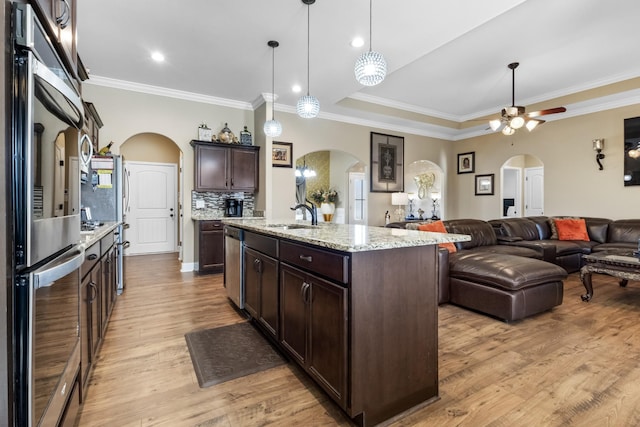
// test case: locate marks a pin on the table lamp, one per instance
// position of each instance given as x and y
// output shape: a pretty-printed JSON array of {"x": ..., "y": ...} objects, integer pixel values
[{"x": 400, "y": 200}]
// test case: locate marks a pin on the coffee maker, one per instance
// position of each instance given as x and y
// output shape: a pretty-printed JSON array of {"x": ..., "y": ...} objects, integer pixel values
[{"x": 233, "y": 207}]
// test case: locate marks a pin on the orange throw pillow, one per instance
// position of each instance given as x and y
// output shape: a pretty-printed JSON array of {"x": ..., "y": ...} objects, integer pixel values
[
  {"x": 572, "y": 229},
  {"x": 438, "y": 227}
]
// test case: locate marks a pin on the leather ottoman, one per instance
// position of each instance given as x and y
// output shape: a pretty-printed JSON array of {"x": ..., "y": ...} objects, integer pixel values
[{"x": 505, "y": 286}]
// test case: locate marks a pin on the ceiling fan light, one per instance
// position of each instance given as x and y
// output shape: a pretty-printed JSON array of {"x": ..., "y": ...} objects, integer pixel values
[
  {"x": 508, "y": 130},
  {"x": 370, "y": 68},
  {"x": 531, "y": 124},
  {"x": 495, "y": 124},
  {"x": 308, "y": 107},
  {"x": 272, "y": 128},
  {"x": 516, "y": 122},
  {"x": 634, "y": 154}
]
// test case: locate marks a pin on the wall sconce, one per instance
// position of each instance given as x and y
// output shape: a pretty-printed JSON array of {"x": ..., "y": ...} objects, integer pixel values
[
  {"x": 400, "y": 200},
  {"x": 598, "y": 146}
]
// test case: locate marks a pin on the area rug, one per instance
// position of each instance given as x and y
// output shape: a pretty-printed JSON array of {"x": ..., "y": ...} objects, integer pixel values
[{"x": 229, "y": 352}]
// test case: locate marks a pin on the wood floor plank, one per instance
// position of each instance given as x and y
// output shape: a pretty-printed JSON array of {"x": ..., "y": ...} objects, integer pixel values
[{"x": 577, "y": 365}]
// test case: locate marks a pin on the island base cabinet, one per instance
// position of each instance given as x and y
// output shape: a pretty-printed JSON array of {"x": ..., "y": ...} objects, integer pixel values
[
  {"x": 261, "y": 290},
  {"x": 314, "y": 328}
]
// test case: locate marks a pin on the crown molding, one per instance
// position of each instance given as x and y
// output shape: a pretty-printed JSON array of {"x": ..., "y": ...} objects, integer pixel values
[{"x": 594, "y": 105}]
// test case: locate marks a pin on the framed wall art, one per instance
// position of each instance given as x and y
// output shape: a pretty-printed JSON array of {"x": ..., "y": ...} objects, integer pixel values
[
  {"x": 484, "y": 185},
  {"x": 467, "y": 162},
  {"x": 387, "y": 163},
  {"x": 282, "y": 154}
]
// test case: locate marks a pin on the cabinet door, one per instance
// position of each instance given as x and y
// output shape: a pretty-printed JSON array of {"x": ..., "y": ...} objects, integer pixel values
[
  {"x": 244, "y": 170},
  {"x": 252, "y": 282},
  {"x": 95, "y": 331},
  {"x": 211, "y": 168},
  {"x": 85, "y": 327},
  {"x": 211, "y": 247},
  {"x": 293, "y": 313},
  {"x": 269, "y": 295},
  {"x": 105, "y": 292},
  {"x": 65, "y": 15},
  {"x": 327, "y": 360}
]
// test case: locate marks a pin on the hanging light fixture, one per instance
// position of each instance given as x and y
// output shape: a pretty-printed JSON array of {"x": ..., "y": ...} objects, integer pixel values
[
  {"x": 371, "y": 68},
  {"x": 273, "y": 128},
  {"x": 308, "y": 106},
  {"x": 304, "y": 170}
]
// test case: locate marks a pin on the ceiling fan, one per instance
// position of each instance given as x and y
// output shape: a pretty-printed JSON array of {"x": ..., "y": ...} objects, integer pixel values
[{"x": 514, "y": 117}]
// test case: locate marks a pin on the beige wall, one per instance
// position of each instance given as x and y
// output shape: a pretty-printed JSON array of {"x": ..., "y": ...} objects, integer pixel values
[{"x": 573, "y": 183}]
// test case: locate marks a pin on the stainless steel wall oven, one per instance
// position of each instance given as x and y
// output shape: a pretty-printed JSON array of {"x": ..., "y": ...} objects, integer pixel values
[{"x": 47, "y": 156}]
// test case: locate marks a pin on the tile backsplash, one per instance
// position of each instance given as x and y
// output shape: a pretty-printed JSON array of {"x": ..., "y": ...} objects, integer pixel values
[{"x": 210, "y": 204}]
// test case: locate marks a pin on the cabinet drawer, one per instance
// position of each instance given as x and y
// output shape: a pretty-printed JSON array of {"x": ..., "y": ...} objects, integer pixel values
[
  {"x": 91, "y": 257},
  {"x": 106, "y": 242},
  {"x": 266, "y": 245},
  {"x": 329, "y": 264},
  {"x": 212, "y": 225}
]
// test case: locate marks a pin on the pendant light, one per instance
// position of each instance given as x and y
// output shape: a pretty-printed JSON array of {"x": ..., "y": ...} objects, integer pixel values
[
  {"x": 308, "y": 106},
  {"x": 370, "y": 68},
  {"x": 273, "y": 128}
]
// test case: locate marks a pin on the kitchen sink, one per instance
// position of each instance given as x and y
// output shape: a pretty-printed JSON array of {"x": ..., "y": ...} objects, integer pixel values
[{"x": 291, "y": 226}]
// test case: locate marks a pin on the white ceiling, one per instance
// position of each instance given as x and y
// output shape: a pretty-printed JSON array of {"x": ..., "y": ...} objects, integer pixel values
[{"x": 446, "y": 59}]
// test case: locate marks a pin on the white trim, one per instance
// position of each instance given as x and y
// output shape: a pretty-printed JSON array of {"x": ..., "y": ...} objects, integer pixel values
[{"x": 188, "y": 266}]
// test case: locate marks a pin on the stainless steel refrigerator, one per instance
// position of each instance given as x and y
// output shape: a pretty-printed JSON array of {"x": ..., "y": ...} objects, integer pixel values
[{"x": 105, "y": 193}]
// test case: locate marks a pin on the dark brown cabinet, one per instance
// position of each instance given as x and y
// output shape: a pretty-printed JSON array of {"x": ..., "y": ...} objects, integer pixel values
[
  {"x": 224, "y": 167},
  {"x": 97, "y": 297},
  {"x": 261, "y": 289},
  {"x": 210, "y": 246},
  {"x": 313, "y": 327},
  {"x": 59, "y": 19}
]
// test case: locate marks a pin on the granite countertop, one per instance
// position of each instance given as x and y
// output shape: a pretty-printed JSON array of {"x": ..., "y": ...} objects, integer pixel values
[
  {"x": 345, "y": 237},
  {"x": 88, "y": 238}
]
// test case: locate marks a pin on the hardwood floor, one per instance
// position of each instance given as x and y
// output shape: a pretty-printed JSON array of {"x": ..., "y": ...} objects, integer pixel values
[{"x": 577, "y": 365}]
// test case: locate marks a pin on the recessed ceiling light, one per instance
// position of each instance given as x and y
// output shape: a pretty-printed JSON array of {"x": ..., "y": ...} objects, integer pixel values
[
  {"x": 296, "y": 88},
  {"x": 357, "y": 42},
  {"x": 157, "y": 56}
]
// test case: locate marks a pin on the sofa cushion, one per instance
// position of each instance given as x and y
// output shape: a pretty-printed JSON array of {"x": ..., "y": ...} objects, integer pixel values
[
  {"x": 572, "y": 229},
  {"x": 542, "y": 223},
  {"x": 509, "y": 272},
  {"x": 552, "y": 225},
  {"x": 597, "y": 229},
  {"x": 481, "y": 232},
  {"x": 438, "y": 227},
  {"x": 624, "y": 231}
]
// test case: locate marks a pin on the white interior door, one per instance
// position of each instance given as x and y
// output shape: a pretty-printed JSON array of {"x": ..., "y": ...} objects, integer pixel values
[
  {"x": 152, "y": 213},
  {"x": 534, "y": 191}
]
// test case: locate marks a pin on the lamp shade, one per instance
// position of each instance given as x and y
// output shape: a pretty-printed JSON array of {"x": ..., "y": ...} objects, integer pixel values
[
  {"x": 370, "y": 68},
  {"x": 308, "y": 107},
  {"x": 399, "y": 199},
  {"x": 272, "y": 128}
]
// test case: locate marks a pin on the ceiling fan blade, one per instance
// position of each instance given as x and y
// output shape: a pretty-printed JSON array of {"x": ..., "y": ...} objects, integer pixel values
[{"x": 547, "y": 111}]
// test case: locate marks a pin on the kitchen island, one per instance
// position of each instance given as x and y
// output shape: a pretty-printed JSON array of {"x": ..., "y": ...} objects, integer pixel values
[{"x": 354, "y": 306}]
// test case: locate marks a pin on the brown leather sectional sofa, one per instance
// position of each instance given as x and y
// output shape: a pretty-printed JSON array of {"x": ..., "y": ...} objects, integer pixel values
[
  {"x": 535, "y": 233},
  {"x": 512, "y": 269}
]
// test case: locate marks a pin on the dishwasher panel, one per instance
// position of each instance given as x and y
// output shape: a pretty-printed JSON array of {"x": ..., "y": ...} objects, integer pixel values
[{"x": 233, "y": 264}]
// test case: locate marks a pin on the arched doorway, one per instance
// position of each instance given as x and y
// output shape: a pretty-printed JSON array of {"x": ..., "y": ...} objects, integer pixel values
[
  {"x": 522, "y": 186},
  {"x": 154, "y": 212}
]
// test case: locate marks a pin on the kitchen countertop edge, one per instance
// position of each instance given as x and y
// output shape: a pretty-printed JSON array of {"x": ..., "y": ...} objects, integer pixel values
[
  {"x": 346, "y": 237},
  {"x": 88, "y": 239}
]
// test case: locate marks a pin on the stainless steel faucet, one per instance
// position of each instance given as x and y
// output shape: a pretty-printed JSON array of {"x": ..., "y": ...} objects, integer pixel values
[{"x": 312, "y": 211}]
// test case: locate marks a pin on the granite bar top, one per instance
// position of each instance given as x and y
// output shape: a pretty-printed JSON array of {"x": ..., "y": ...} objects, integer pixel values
[{"x": 345, "y": 237}]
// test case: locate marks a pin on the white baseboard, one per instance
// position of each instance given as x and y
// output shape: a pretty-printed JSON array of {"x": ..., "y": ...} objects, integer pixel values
[{"x": 189, "y": 266}]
